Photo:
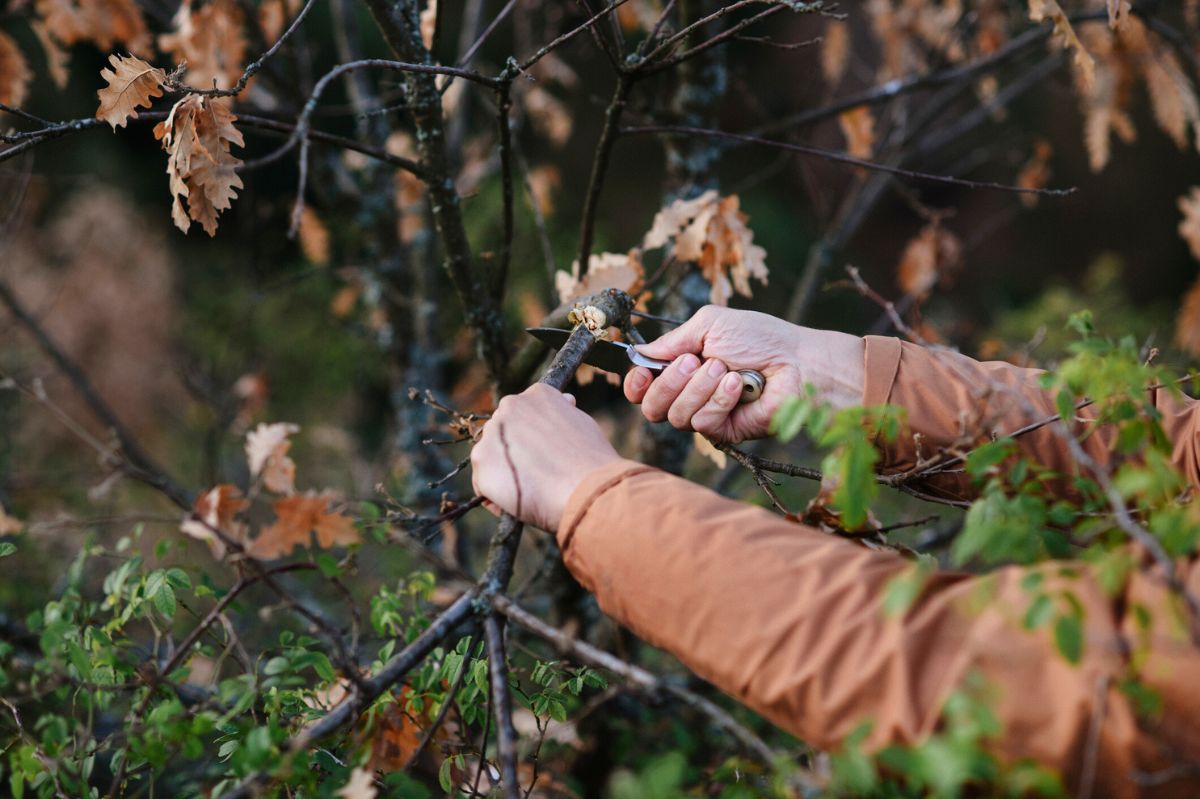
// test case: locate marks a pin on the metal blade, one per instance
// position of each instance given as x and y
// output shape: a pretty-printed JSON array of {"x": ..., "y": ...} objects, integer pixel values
[{"x": 605, "y": 355}]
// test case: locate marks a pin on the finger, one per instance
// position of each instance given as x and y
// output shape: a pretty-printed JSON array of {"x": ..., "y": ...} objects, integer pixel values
[
  {"x": 666, "y": 387},
  {"x": 695, "y": 394},
  {"x": 688, "y": 337},
  {"x": 636, "y": 383},
  {"x": 492, "y": 506},
  {"x": 570, "y": 398},
  {"x": 712, "y": 420}
]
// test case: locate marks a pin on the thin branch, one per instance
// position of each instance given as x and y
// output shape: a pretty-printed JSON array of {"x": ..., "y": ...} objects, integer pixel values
[
  {"x": 608, "y": 137},
  {"x": 506, "y": 733},
  {"x": 444, "y": 711},
  {"x": 139, "y": 464},
  {"x": 569, "y": 35},
  {"x": 253, "y": 68},
  {"x": 842, "y": 158}
]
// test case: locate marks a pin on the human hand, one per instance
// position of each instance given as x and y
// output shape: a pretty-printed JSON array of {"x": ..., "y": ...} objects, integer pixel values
[
  {"x": 534, "y": 452},
  {"x": 700, "y": 389}
]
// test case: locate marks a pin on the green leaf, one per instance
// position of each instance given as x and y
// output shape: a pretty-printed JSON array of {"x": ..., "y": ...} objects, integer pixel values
[
  {"x": 1039, "y": 612},
  {"x": 445, "y": 778},
  {"x": 789, "y": 420},
  {"x": 164, "y": 600},
  {"x": 178, "y": 578},
  {"x": 1068, "y": 637},
  {"x": 984, "y": 458},
  {"x": 323, "y": 667},
  {"x": 7, "y": 548}
]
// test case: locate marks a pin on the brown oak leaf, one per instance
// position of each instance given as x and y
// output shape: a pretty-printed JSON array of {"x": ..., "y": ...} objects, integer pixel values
[
  {"x": 930, "y": 257},
  {"x": 211, "y": 40},
  {"x": 314, "y": 237},
  {"x": 711, "y": 231},
  {"x": 1189, "y": 227},
  {"x": 1065, "y": 36},
  {"x": 1035, "y": 174},
  {"x": 55, "y": 54},
  {"x": 14, "y": 73},
  {"x": 297, "y": 517},
  {"x": 858, "y": 126},
  {"x": 266, "y": 452},
  {"x": 131, "y": 83},
  {"x": 9, "y": 525},
  {"x": 1187, "y": 324},
  {"x": 197, "y": 136},
  {"x": 217, "y": 508},
  {"x": 608, "y": 270}
]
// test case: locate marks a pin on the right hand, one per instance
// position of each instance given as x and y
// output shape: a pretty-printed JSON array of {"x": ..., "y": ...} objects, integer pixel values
[{"x": 703, "y": 396}]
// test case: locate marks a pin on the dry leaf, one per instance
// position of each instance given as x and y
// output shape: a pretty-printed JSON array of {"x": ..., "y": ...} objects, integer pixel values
[
  {"x": 1064, "y": 34},
  {"x": 56, "y": 56},
  {"x": 712, "y": 232},
  {"x": 1118, "y": 11},
  {"x": 14, "y": 73},
  {"x": 549, "y": 115},
  {"x": 360, "y": 786},
  {"x": 131, "y": 83},
  {"x": 674, "y": 218},
  {"x": 835, "y": 51},
  {"x": 297, "y": 517},
  {"x": 210, "y": 40},
  {"x": 933, "y": 255},
  {"x": 1036, "y": 172},
  {"x": 314, "y": 237},
  {"x": 609, "y": 270},
  {"x": 858, "y": 126},
  {"x": 9, "y": 525},
  {"x": 106, "y": 23},
  {"x": 266, "y": 452},
  {"x": 1189, "y": 228},
  {"x": 544, "y": 180},
  {"x": 1187, "y": 324},
  {"x": 428, "y": 23},
  {"x": 197, "y": 136},
  {"x": 1172, "y": 96},
  {"x": 706, "y": 448},
  {"x": 217, "y": 508}
]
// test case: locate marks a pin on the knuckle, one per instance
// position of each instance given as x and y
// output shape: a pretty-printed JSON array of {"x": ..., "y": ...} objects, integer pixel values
[
  {"x": 679, "y": 417},
  {"x": 652, "y": 414}
]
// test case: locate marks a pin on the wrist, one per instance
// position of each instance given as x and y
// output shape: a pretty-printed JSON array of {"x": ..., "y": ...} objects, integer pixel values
[
  {"x": 569, "y": 479},
  {"x": 832, "y": 362}
]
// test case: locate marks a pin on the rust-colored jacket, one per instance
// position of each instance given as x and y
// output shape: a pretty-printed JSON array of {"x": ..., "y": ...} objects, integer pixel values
[{"x": 789, "y": 620}]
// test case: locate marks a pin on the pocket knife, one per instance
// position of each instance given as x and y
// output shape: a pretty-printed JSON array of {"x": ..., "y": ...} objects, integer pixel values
[{"x": 616, "y": 356}]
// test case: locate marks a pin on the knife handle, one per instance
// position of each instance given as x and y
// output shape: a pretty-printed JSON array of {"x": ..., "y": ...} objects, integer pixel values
[{"x": 753, "y": 384}]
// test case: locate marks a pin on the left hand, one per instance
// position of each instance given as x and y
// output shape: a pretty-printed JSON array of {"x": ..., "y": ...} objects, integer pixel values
[{"x": 534, "y": 452}]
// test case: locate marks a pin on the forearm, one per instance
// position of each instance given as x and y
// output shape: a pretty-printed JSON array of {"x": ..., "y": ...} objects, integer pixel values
[{"x": 790, "y": 621}]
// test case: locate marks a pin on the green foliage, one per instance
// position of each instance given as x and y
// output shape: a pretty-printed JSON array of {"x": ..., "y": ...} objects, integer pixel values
[{"x": 850, "y": 435}]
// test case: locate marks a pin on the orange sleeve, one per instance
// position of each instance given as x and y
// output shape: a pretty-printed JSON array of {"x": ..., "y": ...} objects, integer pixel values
[
  {"x": 953, "y": 400},
  {"x": 789, "y": 621}
]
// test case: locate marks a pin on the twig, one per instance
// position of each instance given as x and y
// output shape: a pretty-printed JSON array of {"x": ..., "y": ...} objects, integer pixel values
[
  {"x": 841, "y": 158},
  {"x": 608, "y": 137},
  {"x": 571, "y": 34},
  {"x": 140, "y": 465},
  {"x": 253, "y": 68},
  {"x": 444, "y": 710}
]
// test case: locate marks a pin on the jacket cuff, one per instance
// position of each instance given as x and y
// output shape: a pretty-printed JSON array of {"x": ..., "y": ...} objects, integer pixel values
[
  {"x": 589, "y": 490},
  {"x": 881, "y": 364}
]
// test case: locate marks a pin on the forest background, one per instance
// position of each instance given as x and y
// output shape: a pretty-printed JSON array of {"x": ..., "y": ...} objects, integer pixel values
[{"x": 1040, "y": 161}]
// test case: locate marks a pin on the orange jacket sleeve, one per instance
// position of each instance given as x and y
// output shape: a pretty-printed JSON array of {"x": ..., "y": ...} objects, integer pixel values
[
  {"x": 790, "y": 620},
  {"x": 945, "y": 394}
]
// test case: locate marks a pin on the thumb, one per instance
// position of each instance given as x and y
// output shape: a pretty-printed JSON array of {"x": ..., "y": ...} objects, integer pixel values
[{"x": 688, "y": 337}]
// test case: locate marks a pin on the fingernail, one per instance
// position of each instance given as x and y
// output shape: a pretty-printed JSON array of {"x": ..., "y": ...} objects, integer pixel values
[
  {"x": 715, "y": 368},
  {"x": 689, "y": 364},
  {"x": 732, "y": 383}
]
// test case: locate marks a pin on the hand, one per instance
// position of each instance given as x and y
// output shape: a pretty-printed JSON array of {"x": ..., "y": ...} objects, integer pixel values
[
  {"x": 699, "y": 395},
  {"x": 534, "y": 452}
]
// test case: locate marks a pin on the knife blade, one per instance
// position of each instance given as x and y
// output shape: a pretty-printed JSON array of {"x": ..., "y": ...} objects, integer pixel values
[{"x": 617, "y": 356}]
